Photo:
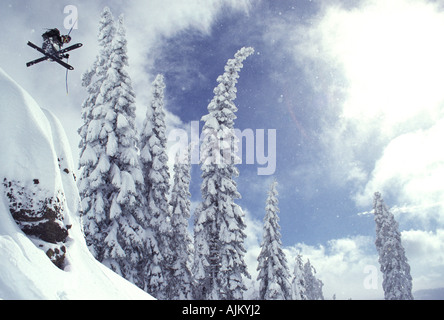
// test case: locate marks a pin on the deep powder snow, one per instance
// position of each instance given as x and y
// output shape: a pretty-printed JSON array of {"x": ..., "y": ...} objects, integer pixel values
[{"x": 34, "y": 149}]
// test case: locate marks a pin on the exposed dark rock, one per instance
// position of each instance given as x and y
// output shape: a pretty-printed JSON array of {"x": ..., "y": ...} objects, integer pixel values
[
  {"x": 57, "y": 256},
  {"x": 39, "y": 215}
]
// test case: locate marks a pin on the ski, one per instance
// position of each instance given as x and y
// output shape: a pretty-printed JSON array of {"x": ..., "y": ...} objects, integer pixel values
[
  {"x": 70, "y": 48},
  {"x": 34, "y": 62},
  {"x": 50, "y": 56},
  {"x": 73, "y": 47},
  {"x": 76, "y": 46}
]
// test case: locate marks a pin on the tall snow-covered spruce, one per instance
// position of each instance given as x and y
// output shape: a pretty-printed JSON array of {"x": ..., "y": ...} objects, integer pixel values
[
  {"x": 313, "y": 286},
  {"x": 98, "y": 70},
  {"x": 298, "y": 282},
  {"x": 397, "y": 282},
  {"x": 180, "y": 284},
  {"x": 219, "y": 263},
  {"x": 93, "y": 182},
  {"x": 111, "y": 176},
  {"x": 272, "y": 264},
  {"x": 156, "y": 175}
]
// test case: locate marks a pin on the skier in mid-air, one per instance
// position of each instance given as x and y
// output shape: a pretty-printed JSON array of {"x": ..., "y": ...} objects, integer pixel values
[
  {"x": 52, "y": 50},
  {"x": 53, "y": 42}
]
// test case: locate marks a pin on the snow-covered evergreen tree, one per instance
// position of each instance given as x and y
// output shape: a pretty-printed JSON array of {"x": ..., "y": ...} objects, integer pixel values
[
  {"x": 180, "y": 285},
  {"x": 154, "y": 161},
  {"x": 298, "y": 282},
  {"x": 90, "y": 145},
  {"x": 92, "y": 183},
  {"x": 313, "y": 286},
  {"x": 272, "y": 263},
  {"x": 397, "y": 281},
  {"x": 111, "y": 176},
  {"x": 219, "y": 236}
]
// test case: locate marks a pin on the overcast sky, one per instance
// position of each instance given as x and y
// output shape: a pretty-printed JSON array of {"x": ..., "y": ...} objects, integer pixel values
[{"x": 354, "y": 90}]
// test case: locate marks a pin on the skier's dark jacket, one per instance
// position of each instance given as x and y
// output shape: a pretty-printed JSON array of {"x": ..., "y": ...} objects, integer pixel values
[{"x": 55, "y": 35}]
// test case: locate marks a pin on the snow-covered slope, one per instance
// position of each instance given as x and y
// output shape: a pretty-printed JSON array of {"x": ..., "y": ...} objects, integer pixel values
[{"x": 34, "y": 152}]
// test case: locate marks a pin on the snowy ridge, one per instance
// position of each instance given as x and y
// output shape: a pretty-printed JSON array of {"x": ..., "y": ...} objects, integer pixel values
[{"x": 34, "y": 147}]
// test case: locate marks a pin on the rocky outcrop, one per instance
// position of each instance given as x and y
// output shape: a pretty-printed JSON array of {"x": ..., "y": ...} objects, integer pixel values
[{"x": 40, "y": 216}]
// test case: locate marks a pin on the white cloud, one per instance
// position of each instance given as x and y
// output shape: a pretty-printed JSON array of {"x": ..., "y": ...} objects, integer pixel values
[
  {"x": 412, "y": 168},
  {"x": 393, "y": 66},
  {"x": 425, "y": 253},
  {"x": 344, "y": 266},
  {"x": 383, "y": 59},
  {"x": 425, "y": 247}
]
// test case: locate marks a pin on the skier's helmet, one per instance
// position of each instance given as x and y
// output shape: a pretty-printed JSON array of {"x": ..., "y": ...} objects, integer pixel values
[{"x": 66, "y": 39}]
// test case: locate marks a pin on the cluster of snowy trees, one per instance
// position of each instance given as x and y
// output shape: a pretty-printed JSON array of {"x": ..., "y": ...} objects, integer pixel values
[
  {"x": 111, "y": 183},
  {"x": 274, "y": 275},
  {"x": 134, "y": 221},
  {"x": 137, "y": 224}
]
